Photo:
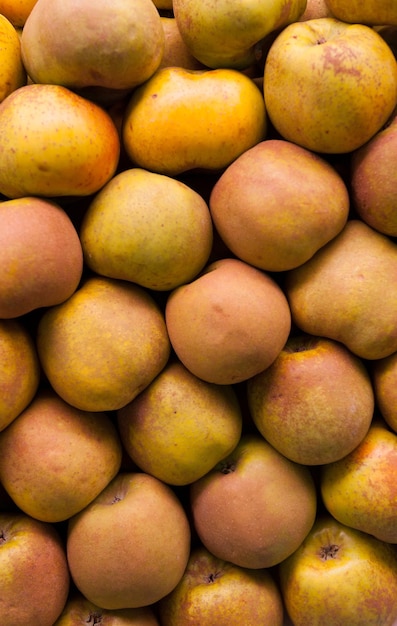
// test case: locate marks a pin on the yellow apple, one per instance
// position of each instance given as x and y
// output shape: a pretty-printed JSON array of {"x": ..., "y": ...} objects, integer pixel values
[
  {"x": 147, "y": 228},
  {"x": 182, "y": 119},
  {"x": 34, "y": 574},
  {"x": 115, "y": 45},
  {"x": 180, "y": 426},
  {"x": 213, "y": 591},
  {"x": 104, "y": 345},
  {"x": 78, "y": 611},
  {"x": 55, "y": 143},
  {"x": 360, "y": 490},
  {"x": 225, "y": 33},
  {"x": 19, "y": 370},
  {"x": 365, "y": 11},
  {"x": 255, "y": 507},
  {"x": 329, "y": 86},
  {"x": 315, "y": 403},
  {"x": 348, "y": 291},
  {"x": 16, "y": 11},
  {"x": 40, "y": 255},
  {"x": 138, "y": 534},
  {"x": 12, "y": 70},
  {"x": 384, "y": 380},
  {"x": 268, "y": 206},
  {"x": 49, "y": 457},
  {"x": 340, "y": 576},
  {"x": 229, "y": 323}
]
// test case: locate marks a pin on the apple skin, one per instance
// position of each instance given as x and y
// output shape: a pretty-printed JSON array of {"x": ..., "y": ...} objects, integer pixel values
[
  {"x": 365, "y": 11},
  {"x": 137, "y": 529},
  {"x": 48, "y": 448},
  {"x": 343, "y": 81},
  {"x": 315, "y": 403},
  {"x": 12, "y": 72},
  {"x": 34, "y": 571},
  {"x": 373, "y": 182},
  {"x": 255, "y": 507},
  {"x": 213, "y": 591},
  {"x": 348, "y": 291},
  {"x": 176, "y": 53},
  {"x": 224, "y": 33},
  {"x": 384, "y": 380},
  {"x": 340, "y": 576},
  {"x": 180, "y": 427},
  {"x": 268, "y": 206},
  {"x": 360, "y": 490}
]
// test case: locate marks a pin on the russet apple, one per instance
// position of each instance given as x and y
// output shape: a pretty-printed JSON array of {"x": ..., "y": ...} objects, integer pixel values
[
  {"x": 213, "y": 591},
  {"x": 268, "y": 206},
  {"x": 12, "y": 71},
  {"x": 384, "y": 379},
  {"x": 340, "y": 576},
  {"x": 329, "y": 86},
  {"x": 360, "y": 490},
  {"x": 180, "y": 426},
  {"x": 138, "y": 533},
  {"x": 34, "y": 573},
  {"x": 49, "y": 457},
  {"x": 315, "y": 403},
  {"x": 255, "y": 507},
  {"x": 229, "y": 323}
]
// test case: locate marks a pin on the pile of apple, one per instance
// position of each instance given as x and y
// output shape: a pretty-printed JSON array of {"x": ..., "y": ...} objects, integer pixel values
[{"x": 198, "y": 313}]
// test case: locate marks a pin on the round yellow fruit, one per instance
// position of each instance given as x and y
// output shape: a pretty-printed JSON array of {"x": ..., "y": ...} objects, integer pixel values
[{"x": 12, "y": 71}]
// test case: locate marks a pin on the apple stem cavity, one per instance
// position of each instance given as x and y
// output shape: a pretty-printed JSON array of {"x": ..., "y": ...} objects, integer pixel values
[
  {"x": 227, "y": 467},
  {"x": 329, "y": 551},
  {"x": 211, "y": 578}
]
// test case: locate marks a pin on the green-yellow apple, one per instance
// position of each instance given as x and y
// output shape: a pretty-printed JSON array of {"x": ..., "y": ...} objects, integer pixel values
[
  {"x": 329, "y": 86},
  {"x": 365, "y": 11},
  {"x": 40, "y": 255},
  {"x": 384, "y": 380},
  {"x": 49, "y": 457},
  {"x": 79, "y": 611},
  {"x": 34, "y": 573},
  {"x": 213, "y": 591},
  {"x": 182, "y": 120},
  {"x": 19, "y": 370},
  {"x": 104, "y": 345},
  {"x": 225, "y": 33},
  {"x": 360, "y": 490},
  {"x": 138, "y": 532},
  {"x": 268, "y": 206},
  {"x": 373, "y": 181},
  {"x": 147, "y": 228},
  {"x": 255, "y": 507},
  {"x": 229, "y": 323},
  {"x": 115, "y": 45},
  {"x": 180, "y": 426},
  {"x": 340, "y": 576},
  {"x": 315, "y": 403},
  {"x": 348, "y": 291}
]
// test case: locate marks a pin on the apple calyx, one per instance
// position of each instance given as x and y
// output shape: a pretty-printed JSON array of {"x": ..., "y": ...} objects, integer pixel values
[
  {"x": 2, "y": 538},
  {"x": 94, "y": 618},
  {"x": 329, "y": 551},
  {"x": 227, "y": 467},
  {"x": 211, "y": 578}
]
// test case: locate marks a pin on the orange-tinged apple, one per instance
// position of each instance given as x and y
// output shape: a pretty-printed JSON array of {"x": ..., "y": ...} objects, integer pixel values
[
  {"x": 104, "y": 345},
  {"x": 16, "y": 11},
  {"x": 384, "y": 380},
  {"x": 329, "y": 86},
  {"x": 340, "y": 576},
  {"x": 40, "y": 254},
  {"x": 213, "y": 591},
  {"x": 268, "y": 206},
  {"x": 360, "y": 490},
  {"x": 228, "y": 324},
  {"x": 137, "y": 529},
  {"x": 34, "y": 572},
  {"x": 12, "y": 71},
  {"x": 79, "y": 611},
  {"x": 315, "y": 403},
  {"x": 55, "y": 143},
  {"x": 255, "y": 507},
  {"x": 180, "y": 426},
  {"x": 49, "y": 457}
]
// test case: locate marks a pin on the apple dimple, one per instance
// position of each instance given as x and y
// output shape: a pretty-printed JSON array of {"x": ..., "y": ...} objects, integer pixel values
[
  {"x": 329, "y": 551},
  {"x": 227, "y": 467},
  {"x": 213, "y": 576}
]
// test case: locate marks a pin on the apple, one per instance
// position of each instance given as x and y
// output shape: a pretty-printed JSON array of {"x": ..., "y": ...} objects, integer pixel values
[
  {"x": 360, "y": 490},
  {"x": 225, "y": 33},
  {"x": 315, "y": 403},
  {"x": 12, "y": 70},
  {"x": 176, "y": 53},
  {"x": 16, "y": 12},
  {"x": 268, "y": 206},
  {"x": 348, "y": 291},
  {"x": 340, "y": 576},
  {"x": 384, "y": 380},
  {"x": 49, "y": 457},
  {"x": 229, "y": 323},
  {"x": 316, "y": 9},
  {"x": 33, "y": 571},
  {"x": 365, "y": 11},
  {"x": 329, "y": 86},
  {"x": 255, "y": 507},
  {"x": 138, "y": 533},
  {"x": 213, "y": 591}
]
